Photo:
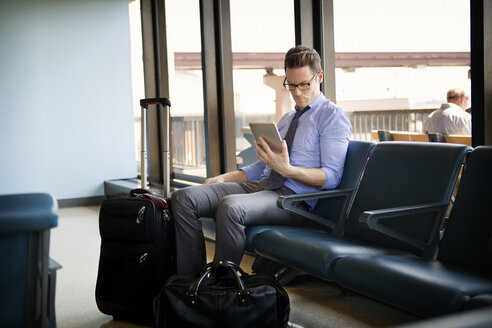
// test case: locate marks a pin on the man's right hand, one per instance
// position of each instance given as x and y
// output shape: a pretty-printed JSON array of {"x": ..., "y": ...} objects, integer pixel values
[
  {"x": 236, "y": 176},
  {"x": 217, "y": 179}
]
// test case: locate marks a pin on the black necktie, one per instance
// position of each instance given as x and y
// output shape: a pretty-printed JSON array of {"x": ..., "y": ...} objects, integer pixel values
[{"x": 275, "y": 180}]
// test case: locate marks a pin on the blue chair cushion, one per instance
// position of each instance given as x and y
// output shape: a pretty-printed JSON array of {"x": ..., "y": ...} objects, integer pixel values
[
  {"x": 310, "y": 250},
  {"x": 208, "y": 228},
  {"x": 479, "y": 301},
  {"x": 424, "y": 287}
]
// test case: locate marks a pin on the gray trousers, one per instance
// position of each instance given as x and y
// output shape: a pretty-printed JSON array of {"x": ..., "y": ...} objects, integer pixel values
[{"x": 234, "y": 206}]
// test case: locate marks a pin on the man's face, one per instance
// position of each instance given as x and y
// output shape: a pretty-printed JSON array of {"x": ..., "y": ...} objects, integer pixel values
[
  {"x": 465, "y": 101},
  {"x": 300, "y": 75}
]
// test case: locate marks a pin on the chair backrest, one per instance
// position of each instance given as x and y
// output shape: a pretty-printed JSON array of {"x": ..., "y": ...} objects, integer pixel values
[
  {"x": 467, "y": 238},
  {"x": 357, "y": 153},
  {"x": 25, "y": 222},
  {"x": 403, "y": 174}
]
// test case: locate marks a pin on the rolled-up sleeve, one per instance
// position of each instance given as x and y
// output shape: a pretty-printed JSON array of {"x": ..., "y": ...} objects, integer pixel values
[
  {"x": 334, "y": 140},
  {"x": 254, "y": 171},
  {"x": 333, "y": 162}
]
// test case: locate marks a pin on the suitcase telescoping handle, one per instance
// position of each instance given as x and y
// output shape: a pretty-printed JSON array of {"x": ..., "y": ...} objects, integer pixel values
[
  {"x": 166, "y": 169},
  {"x": 154, "y": 101}
]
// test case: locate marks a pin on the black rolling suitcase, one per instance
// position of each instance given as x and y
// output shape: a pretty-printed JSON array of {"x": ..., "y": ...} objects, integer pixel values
[{"x": 137, "y": 245}]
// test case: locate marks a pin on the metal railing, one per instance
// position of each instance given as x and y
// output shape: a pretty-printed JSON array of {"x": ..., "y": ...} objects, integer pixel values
[
  {"x": 188, "y": 133},
  {"x": 188, "y": 138},
  {"x": 363, "y": 122}
]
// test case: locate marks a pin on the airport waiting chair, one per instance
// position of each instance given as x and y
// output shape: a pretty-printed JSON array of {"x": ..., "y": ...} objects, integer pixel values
[
  {"x": 357, "y": 153},
  {"x": 409, "y": 183},
  {"x": 459, "y": 139},
  {"x": 25, "y": 278},
  {"x": 374, "y": 135},
  {"x": 385, "y": 135},
  {"x": 461, "y": 276},
  {"x": 419, "y": 137},
  {"x": 247, "y": 156},
  {"x": 451, "y": 138}
]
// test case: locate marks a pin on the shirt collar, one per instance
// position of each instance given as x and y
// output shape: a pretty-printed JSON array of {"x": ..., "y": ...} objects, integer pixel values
[
  {"x": 451, "y": 105},
  {"x": 315, "y": 103}
]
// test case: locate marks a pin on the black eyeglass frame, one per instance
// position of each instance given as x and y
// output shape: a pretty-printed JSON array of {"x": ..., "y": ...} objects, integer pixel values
[{"x": 305, "y": 85}]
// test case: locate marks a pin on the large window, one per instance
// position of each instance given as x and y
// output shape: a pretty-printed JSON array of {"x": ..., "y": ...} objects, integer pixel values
[
  {"x": 185, "y": 84},
  {"x": 438, "y": 29},
  {"x": 138, "y": 89},
  {"x": 261, "y": 32},
  {"x": 186, "y": 87}
]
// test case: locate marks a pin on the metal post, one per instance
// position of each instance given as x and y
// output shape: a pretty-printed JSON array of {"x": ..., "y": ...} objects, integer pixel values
[
  {"x": 166, "y": 155},
  {"x": 143, "y": 152}
]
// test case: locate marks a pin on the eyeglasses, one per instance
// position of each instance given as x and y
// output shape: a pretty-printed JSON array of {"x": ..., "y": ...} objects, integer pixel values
[{"x": 301, "y": 86}]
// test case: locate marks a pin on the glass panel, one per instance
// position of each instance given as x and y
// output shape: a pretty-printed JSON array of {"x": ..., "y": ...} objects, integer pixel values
[
  {"x": 439, "y": 30},
  {"x": 138, "y": 89},
  {"x": 262, "y": 32},
  {"x": 186, "y": 87}
]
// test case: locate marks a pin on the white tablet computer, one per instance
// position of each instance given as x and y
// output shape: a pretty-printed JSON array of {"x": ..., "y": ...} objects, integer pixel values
[{"x": 269, "y": 131}]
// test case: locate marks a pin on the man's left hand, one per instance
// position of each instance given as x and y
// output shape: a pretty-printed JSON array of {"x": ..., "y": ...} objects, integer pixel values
[{"x": 278, "y": 162}]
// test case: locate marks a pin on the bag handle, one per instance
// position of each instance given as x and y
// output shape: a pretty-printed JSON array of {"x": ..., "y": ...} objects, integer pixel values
[
  {"x": 140, "y": 191},
  {"x": 160, "y": 202},
  {"x": 220, "y": 268},
  {"x": 231, "y": 265}
]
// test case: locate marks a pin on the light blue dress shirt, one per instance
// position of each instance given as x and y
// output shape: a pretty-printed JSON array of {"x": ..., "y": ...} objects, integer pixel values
[{"x": 321, "y": 141}]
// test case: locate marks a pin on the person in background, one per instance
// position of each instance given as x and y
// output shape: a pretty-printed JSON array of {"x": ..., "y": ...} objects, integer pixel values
[
  {"x": 452, "y": 117},
  {"x": 312, "y": 159}
]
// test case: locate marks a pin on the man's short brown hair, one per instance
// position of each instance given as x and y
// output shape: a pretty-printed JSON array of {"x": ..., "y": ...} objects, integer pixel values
[{"x": 301, "y": 56}]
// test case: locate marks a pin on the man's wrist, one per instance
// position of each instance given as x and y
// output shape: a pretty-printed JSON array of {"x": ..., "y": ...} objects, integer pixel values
[{"x": 291, "y": 172}]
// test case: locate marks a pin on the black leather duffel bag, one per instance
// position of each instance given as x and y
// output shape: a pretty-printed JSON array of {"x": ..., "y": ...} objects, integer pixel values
[{"x": 220, "y": 297}]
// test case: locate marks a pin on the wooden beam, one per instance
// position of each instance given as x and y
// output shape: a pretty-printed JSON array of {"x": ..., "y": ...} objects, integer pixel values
[{"x": 346, "y": 60}]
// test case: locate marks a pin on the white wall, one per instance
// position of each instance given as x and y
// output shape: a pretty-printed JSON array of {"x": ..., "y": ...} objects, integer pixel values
[{"x": 66, "y": 121}]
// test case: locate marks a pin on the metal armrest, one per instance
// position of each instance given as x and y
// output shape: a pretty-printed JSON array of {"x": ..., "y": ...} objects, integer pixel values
[
  {"x": 290, "y": 202},
  {"x": 371, "y": 220}
]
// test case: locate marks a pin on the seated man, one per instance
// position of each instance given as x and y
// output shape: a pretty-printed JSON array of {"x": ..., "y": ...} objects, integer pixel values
[
  {"x": 452, "y": 117},
  {"x": 311, "y": 162}
]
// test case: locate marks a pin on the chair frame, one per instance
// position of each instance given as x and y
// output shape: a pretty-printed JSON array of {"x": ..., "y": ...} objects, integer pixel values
[{"x": 373, "y": 219}]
